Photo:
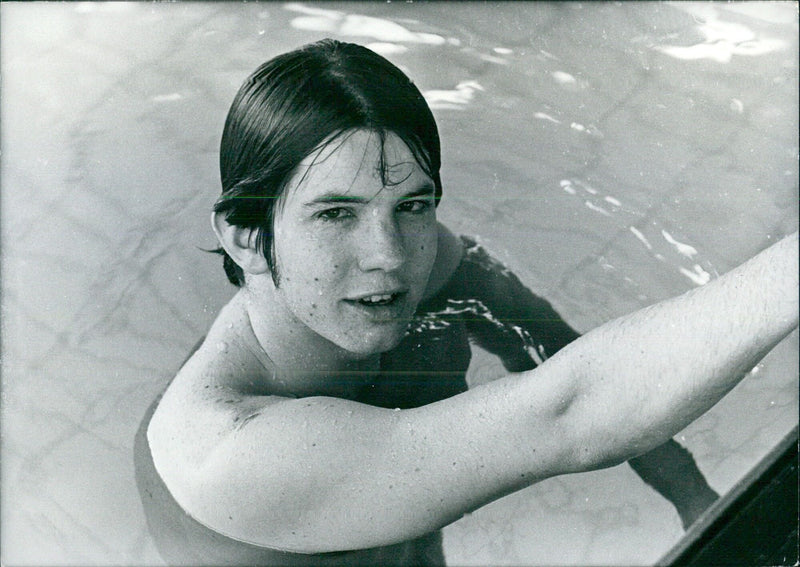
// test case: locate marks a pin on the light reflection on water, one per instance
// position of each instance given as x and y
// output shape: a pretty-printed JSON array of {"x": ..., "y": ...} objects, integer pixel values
[{"x": 612, "y": 155}]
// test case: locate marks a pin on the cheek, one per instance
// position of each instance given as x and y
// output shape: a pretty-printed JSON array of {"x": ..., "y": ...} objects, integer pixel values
[
  {"x": 425, "y": 249},
  {"x": 311, "y": 268}
]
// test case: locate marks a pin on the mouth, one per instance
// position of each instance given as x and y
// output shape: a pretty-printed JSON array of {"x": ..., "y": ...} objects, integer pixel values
[
  {"x": 378, "y": 300},
  {"x": 382, "y": 316},
  {"x": 386, "y": 303}
]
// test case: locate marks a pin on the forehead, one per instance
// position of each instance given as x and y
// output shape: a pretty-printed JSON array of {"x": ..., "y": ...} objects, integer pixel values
[{"x": 355, "y": 161}]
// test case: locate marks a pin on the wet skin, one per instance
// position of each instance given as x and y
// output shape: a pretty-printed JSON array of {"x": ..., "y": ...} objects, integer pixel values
[{"x": 354, "y": 256}]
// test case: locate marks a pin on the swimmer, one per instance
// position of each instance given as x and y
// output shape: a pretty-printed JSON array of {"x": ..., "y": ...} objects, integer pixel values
[{"x": 325, "y": 418}]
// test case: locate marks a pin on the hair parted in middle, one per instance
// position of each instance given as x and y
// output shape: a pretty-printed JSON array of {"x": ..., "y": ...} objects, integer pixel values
[{"x": 296, "y": 104}]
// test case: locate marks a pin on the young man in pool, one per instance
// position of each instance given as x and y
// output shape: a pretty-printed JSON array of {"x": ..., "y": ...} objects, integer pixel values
[{"x": 325, "y": 418}]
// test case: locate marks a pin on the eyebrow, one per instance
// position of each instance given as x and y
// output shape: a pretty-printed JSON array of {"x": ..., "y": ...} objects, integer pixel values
[{"x": 332, "y": 197}]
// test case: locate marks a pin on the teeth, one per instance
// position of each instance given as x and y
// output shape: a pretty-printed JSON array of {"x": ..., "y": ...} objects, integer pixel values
[{"x": 377, "y": 298}]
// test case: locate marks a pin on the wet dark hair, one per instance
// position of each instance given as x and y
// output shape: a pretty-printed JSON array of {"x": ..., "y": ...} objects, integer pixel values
[{"x": 299, "y": 102}]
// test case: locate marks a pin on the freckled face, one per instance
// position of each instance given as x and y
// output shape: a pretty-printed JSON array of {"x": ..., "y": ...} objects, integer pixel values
[{"x": 354, "y": 256}]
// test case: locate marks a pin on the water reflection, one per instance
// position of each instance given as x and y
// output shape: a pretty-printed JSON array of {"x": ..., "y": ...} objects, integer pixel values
[{"x": 642, "y": 148}]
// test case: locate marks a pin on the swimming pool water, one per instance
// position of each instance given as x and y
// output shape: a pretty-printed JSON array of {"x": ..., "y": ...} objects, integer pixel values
[{"x": 611, "y": 154}]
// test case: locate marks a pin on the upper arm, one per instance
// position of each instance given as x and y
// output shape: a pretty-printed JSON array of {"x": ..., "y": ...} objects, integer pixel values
[{"x": 326, "y": 474}]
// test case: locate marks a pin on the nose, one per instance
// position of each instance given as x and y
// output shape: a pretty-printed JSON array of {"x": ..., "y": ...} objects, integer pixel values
[{"x": 381, "y": 246}]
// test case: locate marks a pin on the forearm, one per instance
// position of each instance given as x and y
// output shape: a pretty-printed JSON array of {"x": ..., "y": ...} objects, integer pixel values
[
  {"x": 640, "y": 379},
  {"x": 502, "y": 315},
  {"x": 670, "y": 469}
]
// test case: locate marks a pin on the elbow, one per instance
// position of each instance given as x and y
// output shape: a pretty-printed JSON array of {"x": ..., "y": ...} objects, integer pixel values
[
  {"x": 591, "y": 439},
  {"x": 595, "y": 446},
  {"x": 595, "y": 456}
]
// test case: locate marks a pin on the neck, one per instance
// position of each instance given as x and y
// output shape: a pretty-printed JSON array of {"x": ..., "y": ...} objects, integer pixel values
[{"x": 306, "y": 364}]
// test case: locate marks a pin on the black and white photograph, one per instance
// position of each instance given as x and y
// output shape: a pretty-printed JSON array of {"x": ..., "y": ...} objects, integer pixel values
[{"x": 413, "y": 283}]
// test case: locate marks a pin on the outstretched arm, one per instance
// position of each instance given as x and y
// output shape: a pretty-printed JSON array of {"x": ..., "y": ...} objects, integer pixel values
[
  {"x": 522, "y": 330},
  {"x": 325, "y": 474},
  {"x": 717, "y": 334}
]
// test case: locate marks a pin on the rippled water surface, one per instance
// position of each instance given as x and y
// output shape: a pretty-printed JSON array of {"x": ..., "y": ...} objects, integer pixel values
[{"x": 611, "y": 154}]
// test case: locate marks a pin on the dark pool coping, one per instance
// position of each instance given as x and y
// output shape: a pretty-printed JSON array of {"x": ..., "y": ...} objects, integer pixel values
[{"x": 755, "y": 523}]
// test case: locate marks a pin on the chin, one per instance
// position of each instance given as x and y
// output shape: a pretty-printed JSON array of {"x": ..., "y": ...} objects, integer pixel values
[{"x": 371, "y": 344}]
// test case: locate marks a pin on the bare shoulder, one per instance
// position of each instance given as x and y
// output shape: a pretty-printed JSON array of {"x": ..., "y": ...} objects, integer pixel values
[
  {"x": 202, "y": 405},
  {"x": 448, "y": 257}
]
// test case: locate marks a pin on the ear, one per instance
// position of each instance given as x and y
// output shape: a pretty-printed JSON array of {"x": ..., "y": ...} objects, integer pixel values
[{"x": 240, "y": 244}]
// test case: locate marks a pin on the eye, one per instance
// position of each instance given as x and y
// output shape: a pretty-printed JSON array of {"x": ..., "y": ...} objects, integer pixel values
[
  {"x": 334, "y": 214},
  {"x": 414, "y": 206}
]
